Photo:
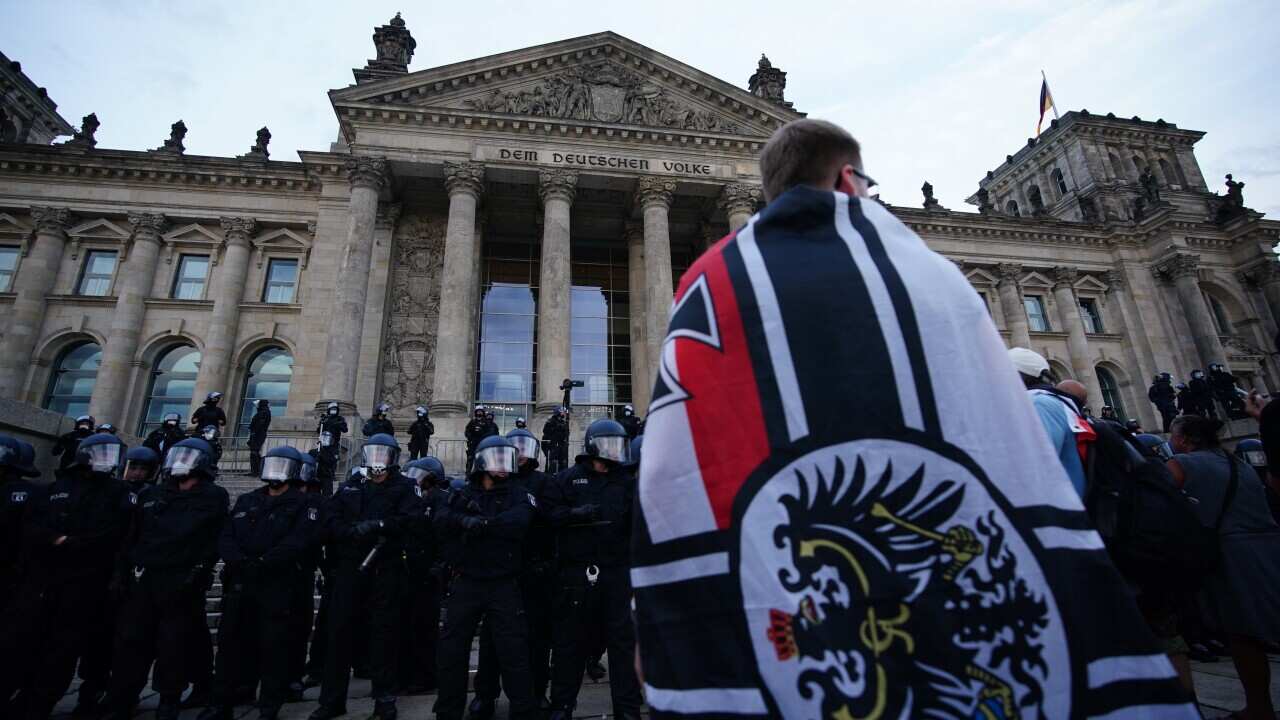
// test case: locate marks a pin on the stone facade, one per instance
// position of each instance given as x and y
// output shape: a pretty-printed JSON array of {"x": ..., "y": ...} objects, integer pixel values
[{"x": 596, "y": 157}]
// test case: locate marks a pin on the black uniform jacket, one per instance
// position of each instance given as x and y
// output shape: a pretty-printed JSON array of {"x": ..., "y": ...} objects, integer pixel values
[
  {"x": 209, "y": 415},
  {"x": 393, "y": 501},
  {"x": 177, "y": 529},
  {"x": 604, "y": 540},
  {"x": 420, "y": 432},
  {"x": 495, "y": 550},
  {"x": 271, "y": 530},
  {"x": 94, "y": 516}
]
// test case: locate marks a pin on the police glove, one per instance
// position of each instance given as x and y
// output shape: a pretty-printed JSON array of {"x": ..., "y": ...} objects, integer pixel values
[
  {"x": 473, "y": 522},
  {"x": 582, "y": 513},
  {"x": 366, "y": 527}
]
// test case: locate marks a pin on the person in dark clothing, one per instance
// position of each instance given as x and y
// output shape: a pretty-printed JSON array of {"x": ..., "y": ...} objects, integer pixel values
[
  {"x": 590, "y": 506},
  {"x": 493, "y": 515},
  {"x": 1225, "y": 391},
  {"x": 140, "y": 467},
  {"x": 260, "y": 546},
  {"x": 1200, "y": 393},
  {"x": 1162, "y": 395},
  {"x": 521, "y": 424},
  {"x": 72, "y": 533},
  {"x": 423, "y": 589},
  {"x": 15, "y": 499},
  {"x": 491, "y": 424},
  {"x": 167, "y": 568},
  {"x": 330, "y": 429},
  {"x": 475, "y": 431},
  {"x": 379, "y": 423},
  {"x": 555, "y": 440},
  {"x": 65, "y": 448},
  {"x": 305, "y": 586},
  {"x": 209, "y": 413},
  {"x": 631, "y": 422},
  {"x": 1183, "y": 399},
  {"x": 420, "y": 433},
  {"x": 258, "y": 428},
  {"x": 367, "y": 524},
  {"x": 333, "y": 423},
  {"x": 166, "y": 436}
]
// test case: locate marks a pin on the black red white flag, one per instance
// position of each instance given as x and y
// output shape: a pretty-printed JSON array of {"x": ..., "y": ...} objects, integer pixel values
[{"x": 848, "y": 508}]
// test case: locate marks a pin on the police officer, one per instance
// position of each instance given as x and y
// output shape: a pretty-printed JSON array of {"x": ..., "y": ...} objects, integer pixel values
[
  {"x": 423, "y": 589},
  {"x": 590, "y": 505},
  {"x": 107, "y": 428},
  {"x": 1201, "y": 396},
  {"x": 631, "y": 422},
  {"x": 367, "y": 523},
  {"x": 330, "y": 429},
  {"x": 521, "y": 424},
  {"x": 1225, "y": 390},
  {"x": 258, "y": 427},
  {"x": 166, "y": 436},
  {"x": 475, "y": 431},
  {"x": 493, "y": 515},
  {"x": 169, "y": 566},
  {"x": 140, "y": 466},
  {"x": 379, "y": 423},
  {"x": 305, "y": 585},
  {"x": 15, "y": 499},
  {"x": 1162, "y": 395},
  {"x": 555, "y": 440},
  {"x": 73, "y": 531},
  {"x": 65, "y": 448},
  {"x": 420, "y": 433},
  {"x": 260, "y": 545},
  {"x": 209, "y": 413}
]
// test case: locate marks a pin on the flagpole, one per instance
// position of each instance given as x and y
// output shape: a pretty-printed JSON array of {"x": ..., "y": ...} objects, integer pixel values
[{"x": 1055, "y": 102}]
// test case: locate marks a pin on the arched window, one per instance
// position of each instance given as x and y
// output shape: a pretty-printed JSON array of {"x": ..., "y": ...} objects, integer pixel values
[
  {"x": 270, "y": 373},
  {"x": 1111, "y": 392},
  {"x": 173, "y": 380},
  {"x": 1059, "y": 182},
  {"x": 1011, "y": 208},
  {"x": 1220, "y": 317},
  {"x": 74, "y": 375}
]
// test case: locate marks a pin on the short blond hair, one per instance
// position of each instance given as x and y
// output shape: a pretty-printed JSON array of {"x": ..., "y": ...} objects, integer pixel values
[{"x": 806, "y": 152}]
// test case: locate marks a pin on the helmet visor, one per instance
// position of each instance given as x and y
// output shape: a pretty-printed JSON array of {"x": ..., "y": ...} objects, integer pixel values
[
  {"x": 501, "y": 459},
  {"x": 526, "y": 446},
  {"x": 307, "y": 473},
  {"x": 182, "y": 460},
  {"x": 378, "y": 457},
  {"x": 610, "y": 448},
  {"x": 9, "y": 455},
  {"x": 104, "y": 457},
  {"x": 419, "y": 474},
  {"x": 279, "y": 469},
  {"x": 135, "y": 471},
  {"x": 1256, "y": 458}
]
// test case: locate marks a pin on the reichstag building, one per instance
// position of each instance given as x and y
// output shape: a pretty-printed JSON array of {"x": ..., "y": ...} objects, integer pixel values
[{"x": 483, "y": 230}]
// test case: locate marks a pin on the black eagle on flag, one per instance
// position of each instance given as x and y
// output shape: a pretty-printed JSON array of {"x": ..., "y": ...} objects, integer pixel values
[{"x": 848, "y": 508}]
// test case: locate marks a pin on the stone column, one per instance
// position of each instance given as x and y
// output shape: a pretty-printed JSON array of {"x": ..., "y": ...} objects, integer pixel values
[
  {"x": 136, "y": 276},
  {"x": 1141, "y": 365},
  {"x": 1064, "y": 279},
  {"x": 557, "y": 188},
  {"x": 224, "y": 321},
  {"x": 451, "y": 391},
  {"x": 1015, "y": 315},
  {"x": 738, "y": 201},
  {"x": 351, "y": 285},
  {"x": 654, "y": 195},
  {"x": 1184, "y": 270},
  {"x": 1267, "y": 276},
  {"x": 31, "y": 285},
  {"x": 641, "y": 376}
]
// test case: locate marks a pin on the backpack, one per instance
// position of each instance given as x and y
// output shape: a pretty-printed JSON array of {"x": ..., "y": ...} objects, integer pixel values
[{"x": 1149, "y": 525}]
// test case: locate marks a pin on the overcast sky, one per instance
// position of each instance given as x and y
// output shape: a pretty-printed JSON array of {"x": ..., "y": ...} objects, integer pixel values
[{"x": 937, "y": 91}]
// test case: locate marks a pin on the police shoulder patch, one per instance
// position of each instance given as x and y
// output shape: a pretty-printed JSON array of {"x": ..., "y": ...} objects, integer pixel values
[
  {"x": 19, "y": 496},
  {"x": 581, "y": 481},
  {"x": 240, "y": 514},
  {"x": 532, "y": 500},
  {"x": 133, "y": 498},
  {"x": 417, "y": 491},
  {"x": 313, "y": 513}
]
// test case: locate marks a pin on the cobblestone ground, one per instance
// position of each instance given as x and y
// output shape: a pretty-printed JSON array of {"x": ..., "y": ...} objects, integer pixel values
[{"x": 1216, "y": 685}]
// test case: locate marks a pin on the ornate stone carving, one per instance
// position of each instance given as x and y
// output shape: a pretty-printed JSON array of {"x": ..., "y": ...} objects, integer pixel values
[
  {"x": 739, "y": 197},
  {"x": 1064, "y": 276},
  {"x": 603, "y": 92},
  {"x": 557, "y": 184},
  {"x": 1150, "y": 186},
  {"x": 768, "y": 82},
  {"x": 369, "y": 172},
  {"x": 259, "y": 150},
  {"x": 1115, "y": 280},
  {"x": 930, "y": 202},
  {"x": 394, "y": 46},
  {"x": 408, "y": 352},
  {"x": 1266, "y": 272},
  {"x": 51, "y": 220},
  {"x": 84, "y": 137},
  {"x": 984, "y": 202},
  {"x": 465, "y": 177},
  {"x": 1008, "y": 273},
  {"x": 238, "y": 230},
  {"x": 388, "y": 214},
  {"x": 174, "y": 146},
  {"x": 147, "y": 226},
  {"x": 1036, "y": 200},
  {"x": 1179, "y": 266},
  {"x": 655, "y": 190}
]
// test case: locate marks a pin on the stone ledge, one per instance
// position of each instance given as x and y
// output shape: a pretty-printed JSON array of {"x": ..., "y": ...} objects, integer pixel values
[
  {"x": 179, "y": 303},
  {"x": 109, "y": 300}
]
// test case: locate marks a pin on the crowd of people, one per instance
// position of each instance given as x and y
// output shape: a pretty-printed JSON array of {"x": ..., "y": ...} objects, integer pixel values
[
  {"x": 1197, "y": 396},
  {"x": 106, "y": 570}
]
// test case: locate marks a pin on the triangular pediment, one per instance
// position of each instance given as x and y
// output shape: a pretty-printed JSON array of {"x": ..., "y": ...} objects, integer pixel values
[
  {"x": 10, "y": 226},
  {"x": 1091, "y": 283},
  {"x": 601, "y": 79},
  {"x": 193, "y": 233},
  {"x": 282, "y": 239},
  {"x": 100, "y": 228}
]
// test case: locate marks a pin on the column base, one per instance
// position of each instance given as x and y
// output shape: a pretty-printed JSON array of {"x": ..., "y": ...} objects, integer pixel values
[
  {"x": 448, "y": 407},
  {"x": 346, "y": 409}
]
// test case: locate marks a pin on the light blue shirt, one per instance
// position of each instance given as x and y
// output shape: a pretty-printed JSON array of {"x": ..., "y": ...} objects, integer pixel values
[{"x": 1061, "y": 438}]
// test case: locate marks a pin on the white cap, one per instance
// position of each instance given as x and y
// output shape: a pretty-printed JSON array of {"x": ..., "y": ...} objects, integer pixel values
[{"x": 1028, "y": 362}]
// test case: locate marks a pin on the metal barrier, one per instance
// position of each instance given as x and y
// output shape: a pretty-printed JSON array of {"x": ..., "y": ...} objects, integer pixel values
[{"x": 235, "y": 452}]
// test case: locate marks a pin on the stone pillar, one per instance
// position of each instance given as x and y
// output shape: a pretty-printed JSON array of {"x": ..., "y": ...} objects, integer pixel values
[
  {"x": 654, "y": 195},
  {"x": 224, "y": 321},
  {"x": 1267, "y": 276},
  {"x": 641, "y": 376},
  {"x": 351, "y": 285},
  {"x": 1015, "y": 315},
  {"x": 136, "y": 276},
  {"x": 1184, "y": 270},
  {"x": 1064, "y": 279},
  {"x": 738, "y": 201},
  {"x": 1141, "y": 365},
  {"x": 557, "y": 188},
  {"x": 451, "y": 391},
  {"x": 31, "y": 285}
]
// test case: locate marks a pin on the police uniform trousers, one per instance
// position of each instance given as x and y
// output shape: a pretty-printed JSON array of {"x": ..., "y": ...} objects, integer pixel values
[
  {"x": 1167, "y": 414},
  {"x": 498, "y": 602},
  {"x": 95, "y": 662},
  {"x": 255, "y": 622},
  {"x": 162, "y": 618},
  {"x": 301, "y": 615},
  {"x": 581, "y": 611},
  {"x": 320, "y": 632},
  {"x": 422, "y": 619},
  {"x": 537, "y": 592},
  {"x": 416, "y": 451},
  {"x": 375, "y": 594}
]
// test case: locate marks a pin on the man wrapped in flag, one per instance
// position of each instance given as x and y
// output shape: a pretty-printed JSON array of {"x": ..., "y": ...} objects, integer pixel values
[{"x": 848, "y": 508}]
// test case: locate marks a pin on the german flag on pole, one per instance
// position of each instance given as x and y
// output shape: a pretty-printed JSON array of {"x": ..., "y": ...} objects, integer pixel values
[{"x": 1046, "y": 102}]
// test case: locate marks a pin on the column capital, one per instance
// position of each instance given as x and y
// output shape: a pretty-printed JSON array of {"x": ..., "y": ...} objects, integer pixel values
[
  {"x": 1266, "y": 272},
  {"x": 1008, "y": 273},
  {"x": 51, "y": 220},
  {"x": 367, "y": 172},
  {"x": 464, "y": 177},
  {"x": 1115, "y": 280},
  {"x": 1179, "y": 266},
  {"x": 237, "y": 230},
  {"x": 739, "y": 197},
  {"x": 557, "y": 184},
  {"x": 147, "y": 226},
  {"x": 655, "y": 190},
  {"x": 1064, "y": 276},
  {"x": 633, "y": 232}
]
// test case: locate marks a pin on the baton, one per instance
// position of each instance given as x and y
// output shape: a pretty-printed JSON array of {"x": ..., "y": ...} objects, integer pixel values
[{"x": 368, "y": 559}]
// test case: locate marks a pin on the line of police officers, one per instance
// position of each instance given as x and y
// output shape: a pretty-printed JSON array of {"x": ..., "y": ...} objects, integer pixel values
[{"x": 106, "y": 570}]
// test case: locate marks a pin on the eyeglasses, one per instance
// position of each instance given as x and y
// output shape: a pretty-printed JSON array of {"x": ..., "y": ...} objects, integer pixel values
[{"x": 865, "y": 178}]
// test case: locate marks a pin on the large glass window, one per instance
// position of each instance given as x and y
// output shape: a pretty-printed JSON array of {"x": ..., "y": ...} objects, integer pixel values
[
  {"x": 508, "y": 316},
  {"x": 270, "y": 373},
  {"x": 600, "y": 333},
  {"x": 8, "y": 265},
  {"x": 1111, "y": 392},
  {"x": 1091, "y": 316},
  {"x": 1037, "y": 319},
  {"x": 188, "y": 284},
  {"x": 95, "y": 278},
  {"x": 282, "y": 281},
  {"x": 173, "y": 380},
  {"x": 71, "y": 383}
]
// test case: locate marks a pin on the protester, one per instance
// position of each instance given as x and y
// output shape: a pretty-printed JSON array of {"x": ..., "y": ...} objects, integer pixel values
[
  {"x": 1060, "y": 413},
  {"x": 258, "y": 427}
]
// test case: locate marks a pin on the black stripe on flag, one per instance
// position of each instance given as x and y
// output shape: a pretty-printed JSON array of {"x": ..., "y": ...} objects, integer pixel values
[
  {"x": 757, "y": 346},
  {"x": 693, "y": 635},
  {"x": 1033, "y": 516}
]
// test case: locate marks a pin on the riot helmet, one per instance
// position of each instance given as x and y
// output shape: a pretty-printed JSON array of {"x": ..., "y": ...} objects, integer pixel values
[
  {"x": 426, "y": 471},
  {"x": 10, "y": 454},
  {"x": 1155, "y": 445},
  {"x": 1198, "y": 374},
  {"x": 101, "y": 453},
  {"x": 191, "y": 456},
  {"x": 562, "y": 410},
  {"x": 525, "y": 442},
  {"x": 628, "y": 411},
  {"x": 479, "y": 413},
  {"x": 1133, "y": 426},
  {"x": 521, "y": 423},
  {"x": 633, "y": 453},
  {"x": 606, "y": 440},
  {"x": 307, "y": 473},
  {"x": 172, "y": 419},
  {"x": 213, "y": 398},
  {"x": 1250, "y": 451},
  {"x": 1165, "y": 377},
  {"x": 331, "y": 409},
  {"x": 382, "y": 409},
  {"x": 280, "y": 465},
  {"x": 264, "y": 404},
  {"x": 105, "y": 428},
  {"x": 496, "y": 456},
  {"x": 422, "y": 411},
  {"x": 27, "y": 459},
  {"x": 1181, "y": 386},
  {"x": 86, "y": 422},
  {"x": 140, "y": 465},
  {"x": 380, "y": 452}
]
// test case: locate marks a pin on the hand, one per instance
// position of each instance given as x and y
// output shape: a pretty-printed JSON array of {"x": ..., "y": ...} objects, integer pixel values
[
  {"x": 590, "y": 511},
  {"x": 473, "y": 522},
  {"x": 366, "y": 527},
  {"x": 1254, "y": 403}
]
